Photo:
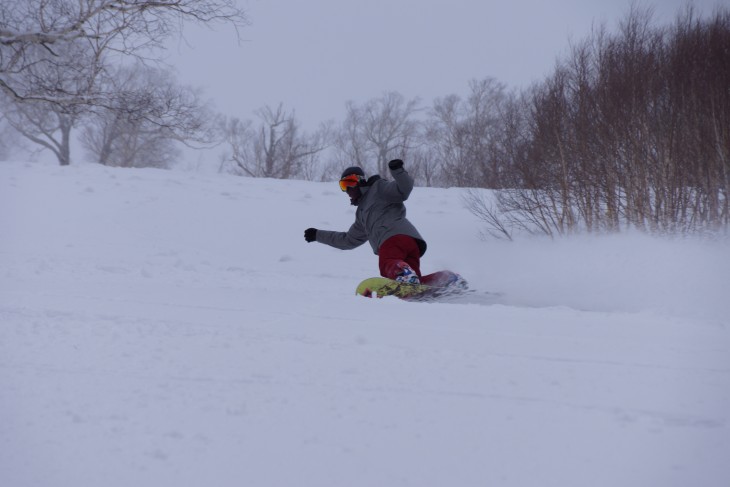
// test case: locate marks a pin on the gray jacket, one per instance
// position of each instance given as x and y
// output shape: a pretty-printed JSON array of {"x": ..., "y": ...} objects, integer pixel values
[{"x": 380, "y": 215}]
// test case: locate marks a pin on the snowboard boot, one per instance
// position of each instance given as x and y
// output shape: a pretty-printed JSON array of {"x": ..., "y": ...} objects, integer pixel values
[{"x": 407, "y": 274}]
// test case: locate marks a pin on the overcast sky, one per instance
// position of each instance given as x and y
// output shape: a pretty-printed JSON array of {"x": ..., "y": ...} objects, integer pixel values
[{"x": 314, "y": 55}]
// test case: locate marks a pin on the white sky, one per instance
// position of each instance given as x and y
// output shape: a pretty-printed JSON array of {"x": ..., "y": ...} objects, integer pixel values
[{"x": 315, "y": 55}]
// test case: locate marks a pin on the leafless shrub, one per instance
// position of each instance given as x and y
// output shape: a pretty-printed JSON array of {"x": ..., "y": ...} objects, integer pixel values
[{"x": 497, "y": 225}]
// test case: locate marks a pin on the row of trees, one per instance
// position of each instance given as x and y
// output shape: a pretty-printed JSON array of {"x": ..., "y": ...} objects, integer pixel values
[
  {"x": 632, "y": 129},
  {"x": 449, "y": 145}
]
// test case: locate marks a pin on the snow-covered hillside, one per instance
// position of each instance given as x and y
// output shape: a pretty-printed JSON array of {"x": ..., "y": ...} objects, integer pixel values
[{"x": 175, "y": 329}]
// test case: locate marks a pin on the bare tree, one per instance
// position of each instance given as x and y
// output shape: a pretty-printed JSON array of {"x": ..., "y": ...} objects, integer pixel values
[
  {"x": 380, "y": 130},
  {"x": 465, "y": 135},
  {"x": 445, "y": 139},
  {"x": 58, "y": 55},
  {"x": 240, "y": 136},
  {"x": 149, "y": 117},
  {"x": 351, "y": 145},
  {"x": 44, "y": 124},
  {"x": 276, "y": 148},
  {"x": 423, "y": 166},
  {"x": 5, "y": 139},
  {"x": 53, "y": 51}
]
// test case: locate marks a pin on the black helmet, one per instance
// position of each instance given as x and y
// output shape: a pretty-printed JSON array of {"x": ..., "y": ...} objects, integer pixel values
[{"x": 353, "y": 170}]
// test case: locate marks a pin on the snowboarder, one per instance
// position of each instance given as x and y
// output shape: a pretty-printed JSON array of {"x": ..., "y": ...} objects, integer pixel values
[{"x": 380, "y": 219}]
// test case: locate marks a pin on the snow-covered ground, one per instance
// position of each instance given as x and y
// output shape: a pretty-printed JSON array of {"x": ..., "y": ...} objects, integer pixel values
[{"x": 175, "y": 329}]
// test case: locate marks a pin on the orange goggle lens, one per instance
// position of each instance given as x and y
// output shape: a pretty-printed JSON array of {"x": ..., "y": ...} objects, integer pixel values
[{"x": 349, "y": 182}]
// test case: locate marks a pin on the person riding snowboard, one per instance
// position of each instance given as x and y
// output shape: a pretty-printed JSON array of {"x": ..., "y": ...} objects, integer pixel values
[{"x": 381, "y": 220}]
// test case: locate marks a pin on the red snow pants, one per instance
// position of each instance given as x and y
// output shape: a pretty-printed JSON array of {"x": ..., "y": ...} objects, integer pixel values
[{"x": 397, "y": 249}]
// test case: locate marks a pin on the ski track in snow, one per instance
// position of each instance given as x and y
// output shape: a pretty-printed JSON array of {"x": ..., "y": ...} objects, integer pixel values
[{"x": 171, "y": 328}]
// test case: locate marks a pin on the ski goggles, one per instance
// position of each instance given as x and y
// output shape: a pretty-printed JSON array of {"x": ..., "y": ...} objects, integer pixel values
[{"x": 350, "y": 181}]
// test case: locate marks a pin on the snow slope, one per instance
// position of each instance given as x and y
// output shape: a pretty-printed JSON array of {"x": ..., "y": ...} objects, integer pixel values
[{"x": 174, "y": 329}]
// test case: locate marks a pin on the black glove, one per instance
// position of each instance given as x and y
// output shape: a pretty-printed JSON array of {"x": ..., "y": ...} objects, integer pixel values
[
  {"x": 395, "y": 164},
  {"x": 310, "y": 234}
]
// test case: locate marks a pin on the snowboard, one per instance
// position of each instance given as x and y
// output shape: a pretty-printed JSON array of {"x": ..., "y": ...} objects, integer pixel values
[{"x": 433, "y": 287}]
